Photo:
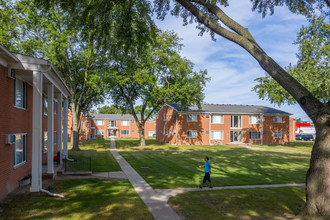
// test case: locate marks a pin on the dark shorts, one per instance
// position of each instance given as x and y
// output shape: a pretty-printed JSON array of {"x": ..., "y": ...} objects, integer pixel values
[{"x": 207, "y": 177}]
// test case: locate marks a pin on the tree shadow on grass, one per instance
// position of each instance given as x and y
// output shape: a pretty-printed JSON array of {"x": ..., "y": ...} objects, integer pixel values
[{"x": 85, "y": 199}]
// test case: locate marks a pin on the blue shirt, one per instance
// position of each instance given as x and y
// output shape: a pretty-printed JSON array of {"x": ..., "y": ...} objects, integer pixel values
[{"x": 207, "y": 165}]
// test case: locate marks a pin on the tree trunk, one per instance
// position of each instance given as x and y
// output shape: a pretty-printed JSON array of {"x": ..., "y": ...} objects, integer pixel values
[
  {"x": 318, "y": 174},
  {"x": 75, "y": 127},
  {"x": 141, "y": 135}
]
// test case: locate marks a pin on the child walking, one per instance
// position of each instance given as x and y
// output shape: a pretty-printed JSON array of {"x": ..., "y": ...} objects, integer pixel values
[{"x": 207, "y": 169}]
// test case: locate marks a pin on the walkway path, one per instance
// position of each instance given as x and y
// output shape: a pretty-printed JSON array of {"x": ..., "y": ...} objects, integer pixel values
[{"x": 155, "y": 201}]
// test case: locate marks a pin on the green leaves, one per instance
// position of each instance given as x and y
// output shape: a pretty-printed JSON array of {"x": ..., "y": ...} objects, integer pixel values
[
  {"x": 155, "y": 76},
  {"x": 312, "y": 69}
]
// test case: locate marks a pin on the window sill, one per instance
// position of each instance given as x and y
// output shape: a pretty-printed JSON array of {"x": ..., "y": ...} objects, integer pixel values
[
  {"x": 19, "y": 165},
  {"x": 19, "y": 107}
]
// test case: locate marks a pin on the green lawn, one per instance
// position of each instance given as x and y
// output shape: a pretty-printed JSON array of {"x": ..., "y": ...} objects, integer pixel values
[
  {"x": 131, "y": 144},
  {"x": 247, "y": 204},
  {"x": 85, "y": 199},
  {"x": 99, "y": 151},
  {"x": 239, "y": 166},
  {"x": 301, "y": 146}
]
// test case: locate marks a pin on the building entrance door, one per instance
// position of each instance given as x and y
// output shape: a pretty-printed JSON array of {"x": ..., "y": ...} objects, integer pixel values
[
  {"x": 112, "y": 133},
  {"x": 235, "y": 136}
]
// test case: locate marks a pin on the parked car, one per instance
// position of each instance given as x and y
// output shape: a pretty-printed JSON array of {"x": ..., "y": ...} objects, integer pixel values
[
  {"x": 307, "y": 137},
  {"x": 298, "y": 137},
  {"x": 304, "y": 137}
]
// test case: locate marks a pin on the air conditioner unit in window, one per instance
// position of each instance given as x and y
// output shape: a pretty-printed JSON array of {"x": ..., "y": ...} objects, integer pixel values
[
  {"x": 10, "y": 73},
  {"x": 10, "y": 139}
]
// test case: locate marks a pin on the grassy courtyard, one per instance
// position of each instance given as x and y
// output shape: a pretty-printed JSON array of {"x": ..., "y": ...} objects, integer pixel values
[
  {"x": 246, "y": 204},
  {"x": 99, "y": 152},
  {"x": 85, "y": 199},
  {"x": 170, "y": 169}
]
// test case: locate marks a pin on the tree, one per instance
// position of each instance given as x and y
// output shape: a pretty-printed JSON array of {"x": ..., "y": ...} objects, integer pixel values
[
  {"x": 312, "y": 69},
  {"x": 113, "y": 109},
  {"x": 54, "y": 31},
  {"x": 210, "y": 17},
  {"x": 155, "y": 76},
  {"x": 80, "y": 62}
]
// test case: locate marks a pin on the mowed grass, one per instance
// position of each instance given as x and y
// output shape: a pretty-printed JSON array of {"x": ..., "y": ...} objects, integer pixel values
[
  {"x": 99, "y": 151},
  {"x": 297, "y": 146},
  {"x": 85, "y": 199},
  {"x": 248, "y": 204},
  {"x": 239, "y": 166},
  {"x": 132, "y": 144}
]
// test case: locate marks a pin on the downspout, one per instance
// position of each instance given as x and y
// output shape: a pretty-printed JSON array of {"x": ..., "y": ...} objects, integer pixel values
[
  {"x": 210, "y": 116},
  {"x": 262, "y": 129},
  {"x": 52, "y": 194},
  {"x": 176, "y": 129}
]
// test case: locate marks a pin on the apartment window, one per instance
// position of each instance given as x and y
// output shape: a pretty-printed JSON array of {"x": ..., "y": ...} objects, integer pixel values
[
  {"x": 217, "y": 135},
  {"x": 99, "y": 122},
  {"x": 254, "y": 119},
  {"x": 45, "y": 106},
  {"x": 192, "y": 134},
  {"x": 191, "y": 117},
  {"x": 45, "y": 140},
  {"x": 124, "y": 132},
  {"x": 20, "y": 94},
  {"x": 254, "y": 135},
  {"x": 217, "y": 119},
  {"x": 236, "y": 121},
  {"x": 166, "y": 132},
  {"x": 55, "y": 137},
  {"x": 277, "y": 134},
  {"x": 277, "y": 119},
  {"x": 163, "y": 132},
  {"x": 124, "y": 122},
  {"x": 99, "y": 132},
  {"x": 166, "y": 118},
  {"x": 20, "y": 149},
  {"x": 112, "y": 123}
]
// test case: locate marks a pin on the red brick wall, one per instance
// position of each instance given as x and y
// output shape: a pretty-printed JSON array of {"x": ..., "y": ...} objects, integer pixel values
[
  {"x": 132, "y": 127},
  {"x": 292, "y": 129},
  {"x": 203, "y": 126},
  {"x": 13, "y": 120},
  {"x": 85, "y": 131}
]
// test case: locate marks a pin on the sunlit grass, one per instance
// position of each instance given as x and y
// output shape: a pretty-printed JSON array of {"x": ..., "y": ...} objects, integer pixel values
[
  {"x": 268, "y": 203},
  {"x": 297, "y": 146},
  {"x": 85, "y": 199},
  {"x": 99, "y": 151},
  {"x": 239, "y": 166}
]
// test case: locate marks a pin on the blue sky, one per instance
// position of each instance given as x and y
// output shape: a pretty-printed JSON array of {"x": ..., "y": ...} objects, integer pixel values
[{"x": 231, "y": 68}]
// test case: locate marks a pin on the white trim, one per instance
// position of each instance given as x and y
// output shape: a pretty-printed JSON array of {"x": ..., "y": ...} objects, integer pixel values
[
  {"x": 221, "y": 131},
  {"x": 222, "y": 116},
  {"x": 240, "y": 123}
]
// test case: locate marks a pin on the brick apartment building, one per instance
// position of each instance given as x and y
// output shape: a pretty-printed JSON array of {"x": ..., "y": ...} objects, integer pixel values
[
  {"x": 222, "y": 124},
  {"x": 31, "y": 92},
  {"x": 112, "y": 125}
]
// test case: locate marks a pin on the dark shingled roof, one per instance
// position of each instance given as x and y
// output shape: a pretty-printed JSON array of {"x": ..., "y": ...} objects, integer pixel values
[
  {"x": 228, "y": 109},
  {"x": 114, "y": 117}
]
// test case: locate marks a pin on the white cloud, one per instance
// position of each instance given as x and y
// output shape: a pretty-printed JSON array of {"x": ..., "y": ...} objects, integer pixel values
[{"x": 231, "y": 68}]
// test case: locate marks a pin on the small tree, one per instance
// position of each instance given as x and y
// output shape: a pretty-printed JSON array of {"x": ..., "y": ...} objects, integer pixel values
[
  {"x": 312, "y": 69},
  {"x": 155, "y": 76}
]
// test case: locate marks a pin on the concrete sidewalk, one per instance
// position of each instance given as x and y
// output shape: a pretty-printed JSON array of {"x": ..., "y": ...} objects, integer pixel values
[{"x": 155, "y": 201}]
